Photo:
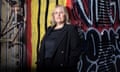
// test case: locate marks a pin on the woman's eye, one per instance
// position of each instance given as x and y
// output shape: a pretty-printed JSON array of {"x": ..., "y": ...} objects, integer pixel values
[
  {"x": 55, "y": 13},
  {"x": 58, "y": 12}
]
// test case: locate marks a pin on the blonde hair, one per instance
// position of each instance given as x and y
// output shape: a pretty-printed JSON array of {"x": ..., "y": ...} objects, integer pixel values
[{"x": 66, "y": 15}]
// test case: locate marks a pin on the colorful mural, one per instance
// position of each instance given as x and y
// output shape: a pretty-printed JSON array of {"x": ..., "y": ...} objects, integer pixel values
[
  {"x": 99, "y": 20},
  {"x": 23, "y": 24}
]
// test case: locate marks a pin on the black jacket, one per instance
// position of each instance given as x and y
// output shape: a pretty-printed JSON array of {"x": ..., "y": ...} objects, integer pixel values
[{"x": 67, "y": 51}]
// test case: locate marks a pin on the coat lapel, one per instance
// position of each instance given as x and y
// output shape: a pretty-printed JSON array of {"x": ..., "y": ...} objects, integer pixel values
[{"x": 59, "y": 39}]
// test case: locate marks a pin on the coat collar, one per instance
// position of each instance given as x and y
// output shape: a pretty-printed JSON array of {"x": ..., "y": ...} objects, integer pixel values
[
  {"x": 58, "y": 41},
  {"x": 52, "y": 27}
]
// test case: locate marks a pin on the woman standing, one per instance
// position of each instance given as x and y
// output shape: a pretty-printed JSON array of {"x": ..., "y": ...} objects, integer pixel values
[{"x": 60, "y": 47}]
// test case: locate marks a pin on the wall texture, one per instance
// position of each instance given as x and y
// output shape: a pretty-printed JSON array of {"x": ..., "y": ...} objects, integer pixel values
[{"x": 24, "y": 22}]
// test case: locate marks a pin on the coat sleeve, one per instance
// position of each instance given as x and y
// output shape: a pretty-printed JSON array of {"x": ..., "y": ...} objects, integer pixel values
[{"x": 75, "y": 46}]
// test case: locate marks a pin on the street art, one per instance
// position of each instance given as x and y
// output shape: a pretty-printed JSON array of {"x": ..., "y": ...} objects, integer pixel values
[
  {"x": 102, "y": 52},
  {"x": 97, "y": 20},
  {"x": 100, "y": 23},
  {"x": 12, "y": 35}
]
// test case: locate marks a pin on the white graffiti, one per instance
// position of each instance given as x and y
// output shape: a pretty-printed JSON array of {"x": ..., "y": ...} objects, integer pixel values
[
  {"x": 112, "y": 9},
  {"x": 103, "y": 51},
  {"x": 89, "y": 20}
]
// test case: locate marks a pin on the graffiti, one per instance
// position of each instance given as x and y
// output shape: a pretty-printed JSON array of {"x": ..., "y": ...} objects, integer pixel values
[
  {"x": 99, "y": 21},
  {"x": 102, "y": 52},
  {"x": 119, "y": 8},
  {"x": 82, "y": 11},
  {"x": 11, "y": 38},
  {"x": 97, "y": 11}
]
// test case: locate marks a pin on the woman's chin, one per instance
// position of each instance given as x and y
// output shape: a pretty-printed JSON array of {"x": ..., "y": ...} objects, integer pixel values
[{"x": 59, "y": 22}]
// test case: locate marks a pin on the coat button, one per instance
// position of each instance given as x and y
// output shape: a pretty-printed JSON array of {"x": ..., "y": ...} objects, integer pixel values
[
  {"x": 61, "y": 65},
  {"x": 62, "y": 52}
]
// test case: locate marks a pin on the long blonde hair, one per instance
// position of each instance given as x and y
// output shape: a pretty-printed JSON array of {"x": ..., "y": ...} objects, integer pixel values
[{"x": 66, "y": 15}]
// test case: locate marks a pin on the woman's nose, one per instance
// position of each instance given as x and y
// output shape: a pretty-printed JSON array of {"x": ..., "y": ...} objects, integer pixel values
[{"x": 58, "y": 14}]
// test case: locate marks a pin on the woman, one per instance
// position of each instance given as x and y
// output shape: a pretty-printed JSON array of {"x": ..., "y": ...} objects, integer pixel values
[{"x": 60, "y": 47}]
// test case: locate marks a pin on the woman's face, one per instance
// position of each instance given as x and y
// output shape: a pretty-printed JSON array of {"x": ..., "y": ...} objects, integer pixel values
[{"x": 59, "y": 15}]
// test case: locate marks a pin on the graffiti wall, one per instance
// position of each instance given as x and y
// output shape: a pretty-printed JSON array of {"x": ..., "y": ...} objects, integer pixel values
[
  {"x": 99, "y": 20},
  {"x": 23, "y": 24},
  {"x": 12, "y": 36}
]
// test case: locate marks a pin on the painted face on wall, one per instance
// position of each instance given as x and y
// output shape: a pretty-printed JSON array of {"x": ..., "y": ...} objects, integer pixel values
[{"x": 59, "y": 15}]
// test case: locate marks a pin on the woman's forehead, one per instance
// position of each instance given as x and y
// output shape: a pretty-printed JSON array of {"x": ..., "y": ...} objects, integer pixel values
[{"x": 59, "y": 9}]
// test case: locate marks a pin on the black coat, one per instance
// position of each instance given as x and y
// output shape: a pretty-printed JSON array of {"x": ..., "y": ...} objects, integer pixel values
[{"x": 67, "y": 51}]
